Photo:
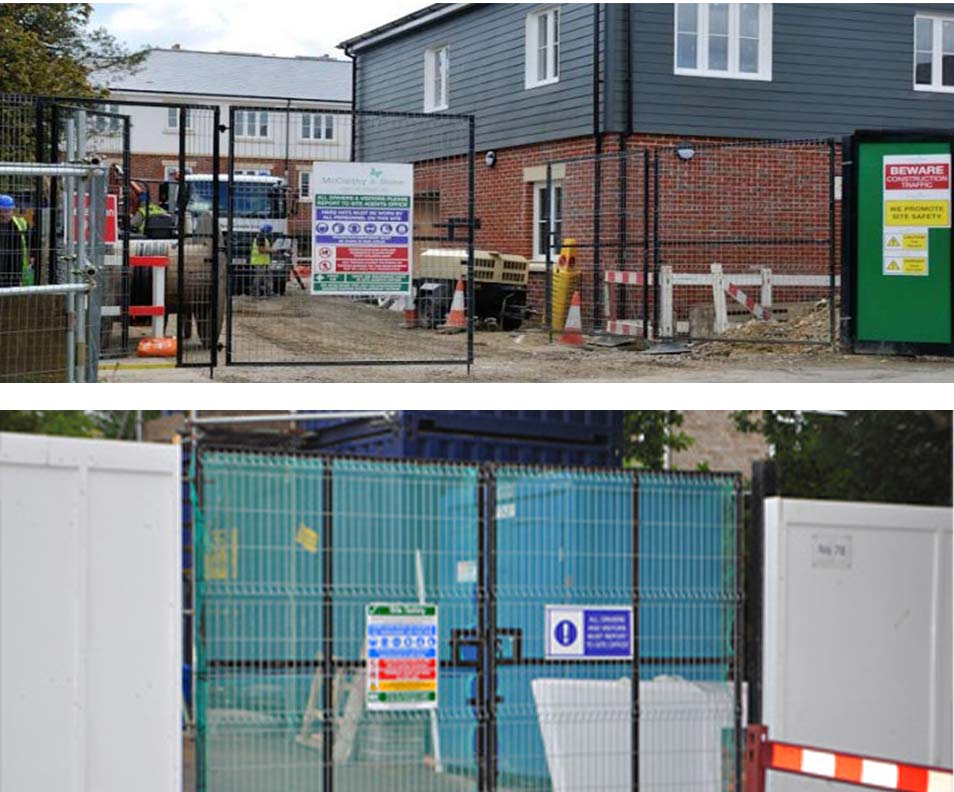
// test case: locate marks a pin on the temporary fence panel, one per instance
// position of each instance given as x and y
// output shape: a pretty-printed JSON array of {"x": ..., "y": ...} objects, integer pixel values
[
  {"x": 327, "y": 274},
  {"x": 596, "y": 208},
  {"x": 293, "y": 549},
  {"x": 845, "y": 583},
  {"x": 745, "y": 241},
  {"x": 47, "y": 334},
  {"x": 154, "y": 279},
  {"x": 89, "y": 615}
]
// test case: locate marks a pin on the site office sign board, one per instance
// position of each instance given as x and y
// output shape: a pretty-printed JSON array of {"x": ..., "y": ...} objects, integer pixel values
[{"x": 362, "y": 228}]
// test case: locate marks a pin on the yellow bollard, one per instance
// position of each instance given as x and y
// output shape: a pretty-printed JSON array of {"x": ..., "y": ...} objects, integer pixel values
[{"x": 567, "y": 279}]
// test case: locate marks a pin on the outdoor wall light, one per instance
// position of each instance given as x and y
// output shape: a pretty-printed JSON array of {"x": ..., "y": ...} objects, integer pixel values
[
  {"x": 685, "y": 151},
  {"x": 491, "y": 159}
]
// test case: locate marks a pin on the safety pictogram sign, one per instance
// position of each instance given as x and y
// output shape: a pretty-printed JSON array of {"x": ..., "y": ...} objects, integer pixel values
[
  {"x": 402, "y": 657},
  {"x": 906, "y": 252}
]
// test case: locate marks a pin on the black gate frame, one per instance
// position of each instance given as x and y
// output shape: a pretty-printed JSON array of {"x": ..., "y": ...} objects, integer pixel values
[
  {"x": 470, "y": 223},
  {"x": 56, "y": 104},
  {"x": 488, "y": 633}
]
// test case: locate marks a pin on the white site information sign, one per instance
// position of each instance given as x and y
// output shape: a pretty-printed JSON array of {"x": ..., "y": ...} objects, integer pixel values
[{"x": 362, "y": 234}]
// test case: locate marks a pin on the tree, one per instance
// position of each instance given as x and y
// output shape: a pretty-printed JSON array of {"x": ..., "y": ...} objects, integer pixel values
[
  {"x": 886, "y": 456},
  {"x": 647, "y": 435},
  {"x": 105, "y": 424},
  {"x": 49, "y": 49}
]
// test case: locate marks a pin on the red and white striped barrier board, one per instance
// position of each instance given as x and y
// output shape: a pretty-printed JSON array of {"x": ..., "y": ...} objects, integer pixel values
[
  {"x": 758, "y": 311},
  {"x": 158, "y": 308},
  {"x": 763, "y": 754},
  {"x": 626, "y": 278}
]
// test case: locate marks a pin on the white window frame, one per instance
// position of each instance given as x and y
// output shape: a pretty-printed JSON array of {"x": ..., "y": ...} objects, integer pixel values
[
  {"x": 764, "y": 74},
  {"x": 937, "y": 53},
  {"x": 532, "y": 80},
  {"x": 172, "y": 119},
  {"x": 433, "y": 103},
  {"x": 539, "y": 187},
  {"x": 304, "y": 186},
  {"x": 256, "y": 125},
  {"x": 322, "y": 120}
]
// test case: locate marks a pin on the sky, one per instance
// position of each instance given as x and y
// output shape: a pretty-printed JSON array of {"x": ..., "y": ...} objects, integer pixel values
[{"x": 272, "y": 28}]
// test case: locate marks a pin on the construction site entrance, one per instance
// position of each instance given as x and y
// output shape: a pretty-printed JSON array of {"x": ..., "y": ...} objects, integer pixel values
[{"x": 400, "y": 625}]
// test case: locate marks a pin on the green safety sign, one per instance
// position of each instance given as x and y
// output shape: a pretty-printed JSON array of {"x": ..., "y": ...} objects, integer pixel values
[{"x": 902, "y": 279}]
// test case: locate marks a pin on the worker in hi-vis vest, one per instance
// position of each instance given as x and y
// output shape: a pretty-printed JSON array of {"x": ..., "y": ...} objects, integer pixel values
[
  {"x": 260, "y": 260},
  {"x": 15, "y": 267}
]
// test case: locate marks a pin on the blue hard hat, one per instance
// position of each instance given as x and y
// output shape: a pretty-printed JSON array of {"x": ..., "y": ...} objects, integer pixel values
[
  {"x": 266, "y": 229},
  {"x": 6, "y": 202}
]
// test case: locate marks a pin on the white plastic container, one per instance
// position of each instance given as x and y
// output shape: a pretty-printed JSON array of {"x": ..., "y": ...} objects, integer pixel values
[
  {"x": 683, "y": 729},
  {"x": 90, "y": 609}
]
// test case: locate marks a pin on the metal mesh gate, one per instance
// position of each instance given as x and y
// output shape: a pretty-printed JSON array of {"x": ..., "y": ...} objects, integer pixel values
[
  {"x": 292, "y": 550},
  {"x": 273, "y": 316}
]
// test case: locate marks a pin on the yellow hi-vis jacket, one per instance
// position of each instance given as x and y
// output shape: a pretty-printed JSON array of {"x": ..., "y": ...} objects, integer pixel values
[
  {"x": 26, "y": 277},
  {"x": 261, "y": 252}
]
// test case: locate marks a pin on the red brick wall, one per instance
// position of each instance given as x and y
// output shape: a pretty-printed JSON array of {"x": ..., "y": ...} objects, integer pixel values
[{"x": 713, "y": 210}]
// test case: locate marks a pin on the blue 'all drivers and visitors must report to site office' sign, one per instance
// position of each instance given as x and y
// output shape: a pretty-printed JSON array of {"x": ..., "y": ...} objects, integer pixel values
[{"x": 589, "y": 632}]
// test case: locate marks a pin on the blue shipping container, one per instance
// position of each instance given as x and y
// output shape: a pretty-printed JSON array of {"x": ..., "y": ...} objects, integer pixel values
[{"x": 565, "y": 438}]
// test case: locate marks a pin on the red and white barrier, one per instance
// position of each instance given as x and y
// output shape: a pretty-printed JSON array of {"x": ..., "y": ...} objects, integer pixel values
[
  {"x": 158, "y": 308},
  {"x": 763, "y": 754}
]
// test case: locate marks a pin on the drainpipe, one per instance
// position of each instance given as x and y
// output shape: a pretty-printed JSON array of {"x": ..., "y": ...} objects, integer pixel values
[
  {"x": 354, "y": 99},
  {"x": 598, "y": 166}
]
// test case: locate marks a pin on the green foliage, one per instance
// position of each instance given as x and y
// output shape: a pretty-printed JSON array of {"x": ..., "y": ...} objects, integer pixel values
[
  {"x": 106, "y": 424},
  {"x": 49, "y": 49},
  {"x": 884, "y": 456},
  {"x": 647, "y": 435}
]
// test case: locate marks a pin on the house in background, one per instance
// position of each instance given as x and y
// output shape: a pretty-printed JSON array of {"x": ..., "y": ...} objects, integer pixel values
[
  {"x": 547, "y": 82},
  {"x": 271, "y": 140}
]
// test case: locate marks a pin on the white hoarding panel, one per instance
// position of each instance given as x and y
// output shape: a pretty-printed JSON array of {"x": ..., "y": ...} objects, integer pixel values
[
  {"x": 90, "y": 636},
  {"x": 857, "y": 630}
]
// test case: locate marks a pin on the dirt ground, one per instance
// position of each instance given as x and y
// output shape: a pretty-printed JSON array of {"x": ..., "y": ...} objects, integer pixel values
[{"x": 297, "y": 329}]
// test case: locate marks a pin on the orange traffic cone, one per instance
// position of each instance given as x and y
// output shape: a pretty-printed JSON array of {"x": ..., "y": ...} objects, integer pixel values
[
  {"x": 573, "y": 329},
  {"x": 457, "y": 318}
]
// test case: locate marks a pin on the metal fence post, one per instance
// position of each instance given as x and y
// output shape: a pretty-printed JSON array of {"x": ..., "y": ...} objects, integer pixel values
[
  {"x": 764, "y": 485},
  {"x": 229, "y": 236},
  {"x": 634, "y": 667},
  {"x": 214, "y": 244},
  {"x": 550, "y": 239},
  {"x": 738, "y": 633},
  {"x": 327, "y": 619},
  {"x": 471, "y": 213},
  {"x": 480, "y": 703},
  {"x": 182, "y": 315},
  {"x": 646, "y": 200},
  {"x": 490, "y": 642},
  {"x": 656, "y": 244}
]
